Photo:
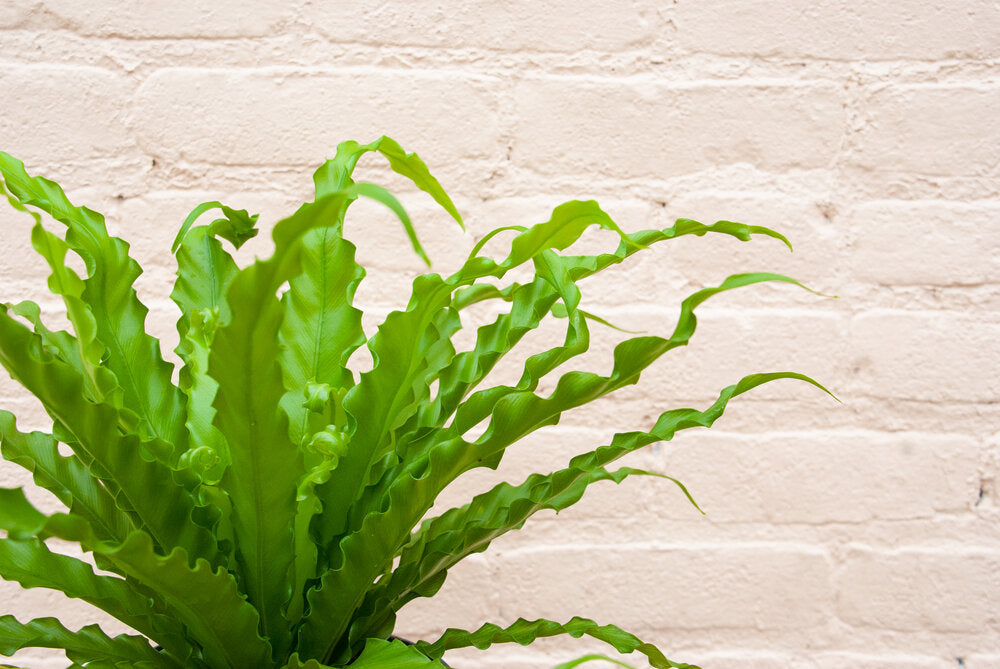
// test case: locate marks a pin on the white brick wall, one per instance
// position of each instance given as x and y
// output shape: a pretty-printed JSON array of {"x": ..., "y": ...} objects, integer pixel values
[{"x": 862, "y": 535}]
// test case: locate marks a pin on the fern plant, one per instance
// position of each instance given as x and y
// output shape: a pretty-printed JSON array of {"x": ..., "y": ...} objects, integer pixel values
[{"x": 269, "y": 509}]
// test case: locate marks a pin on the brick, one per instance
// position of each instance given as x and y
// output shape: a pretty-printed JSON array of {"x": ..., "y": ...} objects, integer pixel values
[
  {"x": 760, "y": 660},
  {"x": 821, "y": 252},
  {"x": 648, "y": 588},
  {"x": 749, "y": 659},
  {"x": 564, "y": 25},
  {"x": 837, "y": 31},
  {"x": 13, "y": 476},
  {"x": 648, "y": 129},
  {"x": 161, "y": 18},
  {"x": 300, "y": 117},
  {"x": 882, "y": 661},
  {"x": 730, "y": 344},
  {"x": 40, "y": 658},
  {"x": 383, "y": 247},
  {"x": 28, "y": 411},
  {"x": 806, "y": 119},
  {"x": 925, "y": 356},
  {"x": 814, "y": 478},
  {"x": 22, "y": 270},
  {"x": 933, "y": 129},
  {"x": 943, "y": 243},
  {"x": 946, "y": 589},
  {"x": 62, "y": 114},
  {"x": 13, "y": 14}
]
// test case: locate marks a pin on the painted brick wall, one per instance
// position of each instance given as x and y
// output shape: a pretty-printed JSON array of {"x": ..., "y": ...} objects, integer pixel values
[{"x": 865, "y": 534}]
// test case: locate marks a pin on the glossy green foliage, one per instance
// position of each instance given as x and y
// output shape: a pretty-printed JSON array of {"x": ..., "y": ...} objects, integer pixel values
[{"x": 270, "y": 508}]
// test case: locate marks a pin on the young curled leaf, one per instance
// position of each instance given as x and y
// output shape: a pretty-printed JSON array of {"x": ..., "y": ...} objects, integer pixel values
[{"x": 236, "y": 225}]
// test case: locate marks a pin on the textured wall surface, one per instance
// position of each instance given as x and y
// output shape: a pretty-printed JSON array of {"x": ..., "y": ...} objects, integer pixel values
[{"x": 865, "y": 534}]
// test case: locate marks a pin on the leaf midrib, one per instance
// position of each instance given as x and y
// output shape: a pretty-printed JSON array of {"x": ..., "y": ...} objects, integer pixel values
[
  {"x": 255, "y": 482},
  {"x": 317, "y": 348}
]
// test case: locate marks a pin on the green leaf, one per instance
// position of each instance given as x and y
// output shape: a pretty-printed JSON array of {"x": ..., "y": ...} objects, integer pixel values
[
  {"x": 309, "y": 311},
  {"x": 204, "y": 271},
  {"x": 132, "y": 354},
  {"x": 378, "y": 654},
  {"x": 31, "y": 564},
  {"x": 514, "y": 412},
  {"x": 83, "y": 352},
  {"x": 64, "y": 346},
  {"x": 525, "y": 631},
  {"x": 443, "y": 541},
  {"x": 17, "y": 515},
  {"x": 296, "y": 663},
  {"x": 207, "y": 602},
  {"x": 583, "y": 266},
  {"x": 559, "y": 311},
  {"x": 65, "y": 282},
  {"x": 335, "y": 174},
  {"x": 529, "y": 304},
  {"x": 383, "y": 399},
  {"x": 670, "y": 422},
  {"x": 141, "y": 488},
  {"x": 321, "y": 327},
  {"x": 381, "y": 654},
  {"x": 66, "y": 477},
  {"x": 88, "y": 644},
  {"x": 265, "y": 466},
  {"x": 564, "y": 271},
  {"x": 58, "y": 343},
  {"x": 379, "y": 194}
]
